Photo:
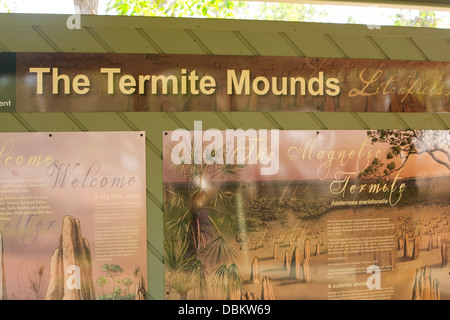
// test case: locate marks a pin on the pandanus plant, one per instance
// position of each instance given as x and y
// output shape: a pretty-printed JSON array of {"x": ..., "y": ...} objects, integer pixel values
[
  {"x": 196, "y": 222},
  {"x": 228, "y": 280}
]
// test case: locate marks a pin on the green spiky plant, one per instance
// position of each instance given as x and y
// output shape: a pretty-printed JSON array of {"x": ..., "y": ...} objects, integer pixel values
[
  {"x": 184, "y": 272},
  {"x": 228, "y": 280},
  {"x": 194, "y": 237}
]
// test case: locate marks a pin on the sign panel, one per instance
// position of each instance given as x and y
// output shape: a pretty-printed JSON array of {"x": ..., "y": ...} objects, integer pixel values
[
  {"x": 72, "y": 216},
  {"x": 295, "y": 215},
  {"x": 70, "y": 82}
]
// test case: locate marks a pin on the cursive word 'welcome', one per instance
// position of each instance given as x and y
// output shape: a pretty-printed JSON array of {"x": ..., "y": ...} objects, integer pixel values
[{"x": 72, "y": 175}]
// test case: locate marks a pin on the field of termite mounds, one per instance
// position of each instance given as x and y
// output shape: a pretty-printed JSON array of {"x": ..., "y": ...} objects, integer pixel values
[
  {"x": 291, "y": 260},
  {"x": 425, "y": 287},
  {"x": 428, "y": 236},
  {"x": 281, "y": 262}
]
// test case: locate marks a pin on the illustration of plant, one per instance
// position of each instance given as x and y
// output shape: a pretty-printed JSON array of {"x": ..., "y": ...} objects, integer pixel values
[
  {"x": 229, "y": 281},
  {"x": 117, "y": 292},
  {"x": 184, "y": 271},
  {"x": 183, "y": 282},
  {"x": 101, "y": 281},
  {"x": 194, "y": 224},
  {"x": 127, "y": 282},
  {"x": 113, "y": 271},
  {"x": 402, "y": 144}
]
